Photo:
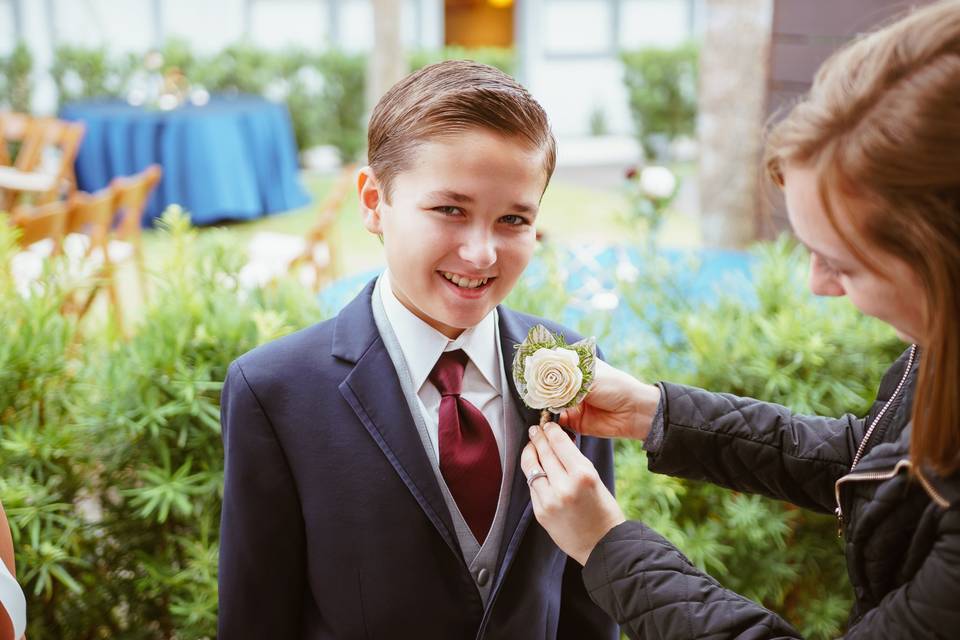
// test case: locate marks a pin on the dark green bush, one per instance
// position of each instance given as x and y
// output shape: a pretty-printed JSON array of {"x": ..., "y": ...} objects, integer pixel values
[
  {"x": 16, "y": 87},
  {"x": 324, "y": 92},
  {"x": 662, "y": 87},
  {"x": 338, "y": 105},
  {"x": 111, "y": 455},
  {"x": 81, "y": 73}
]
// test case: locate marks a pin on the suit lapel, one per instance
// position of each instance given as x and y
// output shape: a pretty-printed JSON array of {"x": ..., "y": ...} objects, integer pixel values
[
  {"x": 374, "y": 393},
  {"x": 513, "y": 330}
]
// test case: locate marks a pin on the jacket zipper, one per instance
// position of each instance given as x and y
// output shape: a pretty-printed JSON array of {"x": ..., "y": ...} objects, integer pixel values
[
  {"x": 872, "y": 476},
  {"x": 866, "y": 476},
  {"x": 866, "y": 438}
]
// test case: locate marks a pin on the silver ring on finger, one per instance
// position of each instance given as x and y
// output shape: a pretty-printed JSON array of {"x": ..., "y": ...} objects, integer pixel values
[{"x": 536, "y": 475}]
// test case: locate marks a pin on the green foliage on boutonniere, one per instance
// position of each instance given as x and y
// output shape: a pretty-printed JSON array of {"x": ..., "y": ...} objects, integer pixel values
[{"x": 551, "y": 374}]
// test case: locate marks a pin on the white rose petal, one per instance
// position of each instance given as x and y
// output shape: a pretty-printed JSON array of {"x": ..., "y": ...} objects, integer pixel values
[
  {"x": 553, "y": 378},
  {"x": 657, "y": 182}
]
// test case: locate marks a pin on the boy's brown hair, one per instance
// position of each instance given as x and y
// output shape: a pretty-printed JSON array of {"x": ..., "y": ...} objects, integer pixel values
[{"x": 446, "y": 99}]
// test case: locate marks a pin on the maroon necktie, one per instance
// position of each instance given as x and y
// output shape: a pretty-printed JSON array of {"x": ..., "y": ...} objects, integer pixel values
[{"x": 469, "y": 458}]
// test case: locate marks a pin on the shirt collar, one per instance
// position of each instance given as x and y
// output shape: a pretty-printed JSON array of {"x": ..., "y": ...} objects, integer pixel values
[{"x": 422, "y": 345}]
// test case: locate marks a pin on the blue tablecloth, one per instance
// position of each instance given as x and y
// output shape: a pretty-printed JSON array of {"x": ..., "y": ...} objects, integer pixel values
[{"x": 231, "y": 159}]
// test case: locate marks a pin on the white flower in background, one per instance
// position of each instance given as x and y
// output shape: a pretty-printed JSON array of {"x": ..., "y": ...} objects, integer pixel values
[
  {"x": 553, "y": 378},
  {"x": 657, "y": 182},
  {"x": 550, "y": 374},
  {"x": 605, "y": 301}
]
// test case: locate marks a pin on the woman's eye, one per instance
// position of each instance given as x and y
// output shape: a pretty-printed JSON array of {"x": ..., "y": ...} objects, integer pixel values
[
  {"x": 829, "y": 268},
  {"x": 515, "y": 220}
]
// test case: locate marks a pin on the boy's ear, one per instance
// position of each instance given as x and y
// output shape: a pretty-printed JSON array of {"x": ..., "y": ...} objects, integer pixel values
[{"x": 368, "y": 188}]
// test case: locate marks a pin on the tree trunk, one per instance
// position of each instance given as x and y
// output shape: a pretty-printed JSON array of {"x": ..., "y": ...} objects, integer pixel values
[
  {"x": 388, "y": 64},
  {"x": 733, "y": 81}
]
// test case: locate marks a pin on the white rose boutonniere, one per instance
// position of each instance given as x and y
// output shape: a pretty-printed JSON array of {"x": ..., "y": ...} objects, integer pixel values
[{"x": 550, "y": 374}]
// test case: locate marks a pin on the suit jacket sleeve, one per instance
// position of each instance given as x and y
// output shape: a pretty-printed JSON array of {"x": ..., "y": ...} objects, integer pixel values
[
  {"x": 580, "y": 617},
  {"x": 262, "y": 552}
]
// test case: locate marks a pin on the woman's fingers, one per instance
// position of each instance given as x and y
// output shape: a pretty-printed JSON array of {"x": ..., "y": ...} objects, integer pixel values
[
  {"x": 548, "y": 459},
  {"x": 530, "y": 464},
  {"x": 564, "y": 448}
]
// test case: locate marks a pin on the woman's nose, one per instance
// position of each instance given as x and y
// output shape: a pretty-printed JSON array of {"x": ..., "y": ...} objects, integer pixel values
[{"x": 823, "y": 281}]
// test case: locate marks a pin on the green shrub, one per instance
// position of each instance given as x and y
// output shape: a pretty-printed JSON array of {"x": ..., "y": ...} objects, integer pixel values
[
  {"x": 111, "y": 454},
  {"x": 502, "y": 58},
  {"x": 16, "y": 87},
  {"x": 81, "y": 73},
  {"x": 240, "y": 68},
  {"x": 662, "y": 88},
  {"x": 339, "y": 105}
]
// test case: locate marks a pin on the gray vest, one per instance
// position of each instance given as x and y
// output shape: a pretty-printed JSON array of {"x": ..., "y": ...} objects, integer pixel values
[{"x": 481, "y": 561}]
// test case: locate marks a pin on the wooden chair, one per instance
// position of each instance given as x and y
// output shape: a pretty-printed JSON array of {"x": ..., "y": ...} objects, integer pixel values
[
  {"x": 42, "y": 230},
  {"x": 320, "y": 249},
  {"x": 132, "y": 193},
  {"x": 46, "y": 222},
  {"x": 15, "y": 128},
  {"x": 29, "y": 177},
  {"x": 91, "y": 216}
]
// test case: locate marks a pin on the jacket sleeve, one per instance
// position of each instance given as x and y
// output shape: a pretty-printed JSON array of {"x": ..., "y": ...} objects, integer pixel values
[
  {"x": 580, "y": 618},
  {"x": 653, "y": 591},
  {"x": 262, "y": 559},
  {"x": 753, "y": 446},
  {"x": 926, "y": 606}
]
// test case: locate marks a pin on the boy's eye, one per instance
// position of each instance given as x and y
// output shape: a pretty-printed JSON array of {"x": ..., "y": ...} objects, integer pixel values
[
  {"x": 514, "y": 220},
  {"x": 448, "y": 210}
]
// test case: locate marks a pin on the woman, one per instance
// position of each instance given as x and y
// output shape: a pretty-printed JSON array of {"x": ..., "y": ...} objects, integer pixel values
[
  {"x": 12, "y": 606},
  {"x": 870, "y": 167}
]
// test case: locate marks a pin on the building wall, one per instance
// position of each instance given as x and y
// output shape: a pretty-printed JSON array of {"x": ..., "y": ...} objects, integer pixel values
[{"x": 569, "y": 53}]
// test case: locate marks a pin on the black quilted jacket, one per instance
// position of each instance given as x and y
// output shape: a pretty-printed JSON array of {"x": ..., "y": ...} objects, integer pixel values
[{"x": 902, "y": 535}]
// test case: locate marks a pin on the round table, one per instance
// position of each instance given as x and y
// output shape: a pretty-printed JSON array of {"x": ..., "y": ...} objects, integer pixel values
[{"x": 233, "y": 158}]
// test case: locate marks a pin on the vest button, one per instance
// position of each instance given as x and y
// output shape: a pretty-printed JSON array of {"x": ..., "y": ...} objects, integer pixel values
[{"x": 483, "y": 577}]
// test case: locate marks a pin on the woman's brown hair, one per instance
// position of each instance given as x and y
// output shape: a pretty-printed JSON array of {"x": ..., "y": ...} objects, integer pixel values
[{"x": 881, "y": 127}]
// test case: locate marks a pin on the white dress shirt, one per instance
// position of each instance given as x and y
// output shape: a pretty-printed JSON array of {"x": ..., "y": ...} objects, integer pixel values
[{"x": 422, "y": 346}]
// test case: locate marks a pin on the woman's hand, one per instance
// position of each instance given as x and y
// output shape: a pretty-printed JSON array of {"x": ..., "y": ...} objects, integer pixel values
[
  {"x": 570, "y": 502},
  {"x": 618, "y": 406}
]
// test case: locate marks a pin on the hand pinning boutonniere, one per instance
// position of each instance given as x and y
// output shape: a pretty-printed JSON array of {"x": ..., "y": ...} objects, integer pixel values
[{"x": 552, "y": 375}]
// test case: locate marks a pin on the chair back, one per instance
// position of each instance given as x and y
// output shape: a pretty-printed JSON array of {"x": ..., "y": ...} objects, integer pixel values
[
  {"x": 15, "y": 129},
  {"x": 48, "y": 221},
  {"x": 132, "y": 193},
  {"x": 92, "y": 215},
  {"x": 63, "y": 137}
]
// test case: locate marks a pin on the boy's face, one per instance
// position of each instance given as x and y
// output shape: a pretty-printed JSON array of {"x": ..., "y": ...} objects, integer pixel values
[{"x": 458, "y": 230}]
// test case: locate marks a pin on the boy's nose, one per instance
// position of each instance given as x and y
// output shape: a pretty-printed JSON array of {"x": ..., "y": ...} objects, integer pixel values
[{"x": 479, "y": 250}]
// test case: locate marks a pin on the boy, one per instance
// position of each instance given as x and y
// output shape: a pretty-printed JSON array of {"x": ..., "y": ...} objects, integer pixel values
[{"x": 372, "y": 482}]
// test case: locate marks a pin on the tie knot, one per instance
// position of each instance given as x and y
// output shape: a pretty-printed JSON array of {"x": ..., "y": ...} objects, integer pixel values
[{"x": 447, "y": 374}]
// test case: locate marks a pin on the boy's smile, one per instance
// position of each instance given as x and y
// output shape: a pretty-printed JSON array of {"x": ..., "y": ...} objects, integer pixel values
[{"x": 458, "y": 227}]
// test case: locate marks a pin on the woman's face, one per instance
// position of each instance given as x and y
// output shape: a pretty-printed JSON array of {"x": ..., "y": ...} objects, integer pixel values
[{"x": 894, "y": 296}]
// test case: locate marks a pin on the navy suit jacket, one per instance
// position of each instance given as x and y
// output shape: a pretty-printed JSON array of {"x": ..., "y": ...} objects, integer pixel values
[{"x": 334, "y": 525}]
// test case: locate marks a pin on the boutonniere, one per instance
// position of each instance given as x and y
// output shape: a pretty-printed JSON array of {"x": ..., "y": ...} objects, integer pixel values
[{"x": 552, "y": 375}]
